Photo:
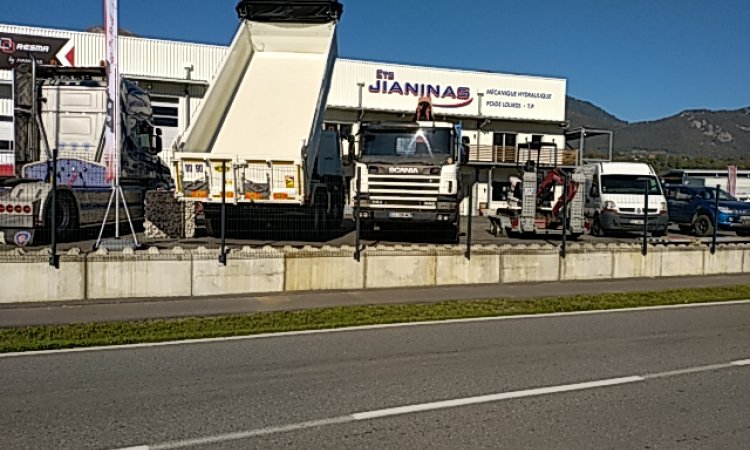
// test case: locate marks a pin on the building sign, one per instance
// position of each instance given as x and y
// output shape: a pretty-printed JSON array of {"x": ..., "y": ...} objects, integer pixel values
[
  {"x": 18, "y": 49},
  {"x": 374, "y": 86},
  {"x": 445, "y": 96}
]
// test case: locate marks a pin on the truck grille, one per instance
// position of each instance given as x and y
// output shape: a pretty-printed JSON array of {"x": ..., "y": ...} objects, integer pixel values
[{"x": 403, "y": 191}]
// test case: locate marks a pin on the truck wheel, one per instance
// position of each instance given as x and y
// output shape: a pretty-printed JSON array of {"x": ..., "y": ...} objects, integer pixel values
[
  {"x": 66, "y": 217},
  {"x": 212, "y": 217},
  {"x": 596, "y": 228},
  {"x": 659, "y": 233},
  {"x": 743, "y": 233},
  {"x": 450, "y": 234},
  {"x": 703, "y": 226},
  {"x": 336, "y": 217},
  {"x": 319, "y": 220}
]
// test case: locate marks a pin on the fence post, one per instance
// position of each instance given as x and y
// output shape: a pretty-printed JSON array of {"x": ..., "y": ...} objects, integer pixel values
[
  {"x": 357, "y": 219},
  {"x": 716, "y": 219},
  {"x": 644, "y": 248},
  {"x": 564, "y": 247},
  {"x": 54, "y": 260},
  {"x": 467, "y": 254},
  {"x": 223, "y": 254}
]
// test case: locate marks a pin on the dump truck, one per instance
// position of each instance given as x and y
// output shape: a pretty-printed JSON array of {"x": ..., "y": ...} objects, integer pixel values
[
  {"x": 65, "y": 108},
  {"x": 408, "y": 172},
  {"x": 256, "y": 143}
]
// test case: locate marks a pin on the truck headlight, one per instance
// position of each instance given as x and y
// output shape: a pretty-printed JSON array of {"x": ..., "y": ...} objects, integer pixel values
[
  {"x": 610, "y": 205},
  {"x": 725, "y": 210}
]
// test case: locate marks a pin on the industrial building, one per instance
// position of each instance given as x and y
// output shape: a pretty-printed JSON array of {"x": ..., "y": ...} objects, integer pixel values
[{"x": 504, "y": 115}]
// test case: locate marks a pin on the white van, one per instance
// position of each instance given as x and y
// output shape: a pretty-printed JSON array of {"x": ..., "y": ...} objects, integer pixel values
[{"x": 615, "y": 196}]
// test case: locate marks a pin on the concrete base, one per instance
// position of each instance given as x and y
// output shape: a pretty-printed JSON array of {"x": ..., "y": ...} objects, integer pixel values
[{"x": 27, "y": 277}]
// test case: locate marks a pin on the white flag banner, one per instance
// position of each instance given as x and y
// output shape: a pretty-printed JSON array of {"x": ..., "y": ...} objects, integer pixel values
[
  {"x": 113, "y": 91},
  {"x": 732, "y": 180}
]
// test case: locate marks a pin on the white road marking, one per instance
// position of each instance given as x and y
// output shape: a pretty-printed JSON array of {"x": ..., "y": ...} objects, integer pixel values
[
  {"x": 410, "y": 409},
  {"x": 251, "y": 433},
  {"x": 438, "y": 405},
  {"x": 366, "y": 328}
]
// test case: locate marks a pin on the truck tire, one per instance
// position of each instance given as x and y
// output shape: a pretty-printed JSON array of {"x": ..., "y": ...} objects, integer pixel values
[
  {"x": 316, "y": 228},
  {"x": 596, "y": 227},
  {"x": 336, "y": 215},
  {"x": 212, "y": 217},
  {"x": 659, "y": 233},
  {"x": 453, "y": 234},
  {"x": 66, "y": 220},
  {"x": 703, "y": 225}
]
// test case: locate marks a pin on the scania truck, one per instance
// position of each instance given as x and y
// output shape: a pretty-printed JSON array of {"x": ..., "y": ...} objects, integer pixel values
[
  {"x": 409, "y": 172},
  {"x": 66, "y": 108}
]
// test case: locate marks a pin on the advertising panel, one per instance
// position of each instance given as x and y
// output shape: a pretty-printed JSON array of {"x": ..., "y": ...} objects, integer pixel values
[
  {"x": 18, "y": 49},
  {"x": 392, "y": 87}
]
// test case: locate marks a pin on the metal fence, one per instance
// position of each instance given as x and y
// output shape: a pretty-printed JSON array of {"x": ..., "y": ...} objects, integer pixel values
[{"x": 60, "y": 208}]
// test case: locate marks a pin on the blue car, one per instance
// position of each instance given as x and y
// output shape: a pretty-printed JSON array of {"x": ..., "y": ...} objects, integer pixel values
[{"x": 692, "y": 208}]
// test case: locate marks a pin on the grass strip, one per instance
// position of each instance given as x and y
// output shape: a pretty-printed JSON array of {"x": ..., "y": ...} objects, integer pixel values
[{"x": 49, "y": 337}]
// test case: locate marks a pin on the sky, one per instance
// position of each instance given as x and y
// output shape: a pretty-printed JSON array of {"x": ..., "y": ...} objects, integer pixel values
[{"x": 637, "y": 59}]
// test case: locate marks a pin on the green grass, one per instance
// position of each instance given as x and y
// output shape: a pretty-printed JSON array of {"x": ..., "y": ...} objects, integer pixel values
[{"x": 114, "y": 333}]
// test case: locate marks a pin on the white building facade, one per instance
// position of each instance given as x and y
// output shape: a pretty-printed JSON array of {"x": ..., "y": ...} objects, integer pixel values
[{"x": 502, "y": 114}]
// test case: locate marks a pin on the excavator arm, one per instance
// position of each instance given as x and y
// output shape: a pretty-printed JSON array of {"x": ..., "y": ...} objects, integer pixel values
[{"x": 557, "y": 177}]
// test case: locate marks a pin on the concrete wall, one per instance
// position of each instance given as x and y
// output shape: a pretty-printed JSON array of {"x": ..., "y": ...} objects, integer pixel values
[{"x": 27, "y": 276}]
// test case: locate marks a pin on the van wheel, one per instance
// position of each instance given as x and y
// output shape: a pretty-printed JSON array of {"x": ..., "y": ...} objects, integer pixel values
[
  {"x": 659, "y": 233},
  {"x": 703, "y": 226}
]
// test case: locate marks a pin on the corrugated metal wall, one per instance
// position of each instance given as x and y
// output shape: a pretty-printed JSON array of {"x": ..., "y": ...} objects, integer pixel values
[{"x": 139, "y": 56}]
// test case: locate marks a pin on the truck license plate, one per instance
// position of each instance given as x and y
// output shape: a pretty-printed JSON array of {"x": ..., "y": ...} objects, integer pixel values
[
  {"x": 399, "y": 215},
  {"x": 637, "y": 221}
]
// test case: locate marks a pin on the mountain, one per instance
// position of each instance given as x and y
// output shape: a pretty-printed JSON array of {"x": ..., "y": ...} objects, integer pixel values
[
  {"x": 121, "y": 31},
  {"x": 693, "y": 133}
]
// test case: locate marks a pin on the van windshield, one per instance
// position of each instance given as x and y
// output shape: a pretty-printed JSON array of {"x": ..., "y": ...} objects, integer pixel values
[{"x": 630, "y": 184}]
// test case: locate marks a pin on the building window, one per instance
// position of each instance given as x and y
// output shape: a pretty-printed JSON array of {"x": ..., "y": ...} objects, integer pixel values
[
  {"x": 166, "y": 111},
  {"x": 504, "y": 140},
  {"x": 6, "y": 91}
]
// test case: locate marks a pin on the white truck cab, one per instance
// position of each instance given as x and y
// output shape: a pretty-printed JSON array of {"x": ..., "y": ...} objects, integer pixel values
[{"x": 615, "y": 198}]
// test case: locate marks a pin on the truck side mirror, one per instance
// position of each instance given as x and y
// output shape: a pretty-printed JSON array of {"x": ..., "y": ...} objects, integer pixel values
[
  {"x": 465, "y": 149},
  {"x": 158, "y": 147},
  {"x": 351, "y": 147}
]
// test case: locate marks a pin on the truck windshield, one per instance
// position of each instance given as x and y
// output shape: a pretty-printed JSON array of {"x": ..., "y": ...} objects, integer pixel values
[
  {"x": 710, "y": 194},
  {"x": 407, "y": 143},
  {"x": 630, "y": 184}
]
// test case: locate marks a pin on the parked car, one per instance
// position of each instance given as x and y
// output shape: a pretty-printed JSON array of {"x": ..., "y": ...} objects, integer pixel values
[
  {"x": 615, "y": 197},
  {"x": 692, "y": 208}
]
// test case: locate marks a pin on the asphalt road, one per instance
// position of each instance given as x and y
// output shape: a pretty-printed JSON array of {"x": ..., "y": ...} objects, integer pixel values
[
  {"x": 23, "y": 314},
  {"x": 670, "y": 378}
]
